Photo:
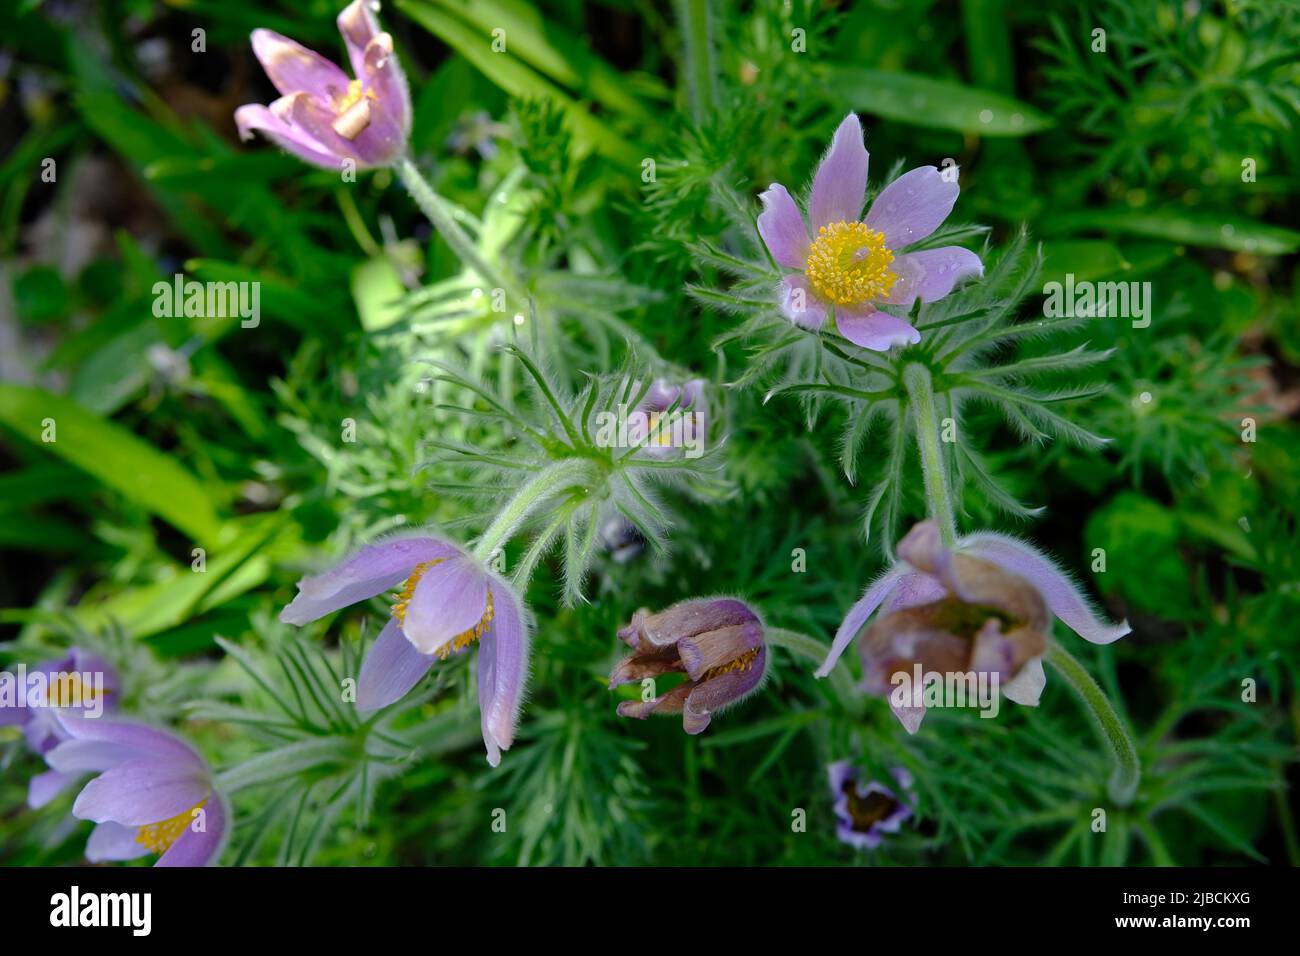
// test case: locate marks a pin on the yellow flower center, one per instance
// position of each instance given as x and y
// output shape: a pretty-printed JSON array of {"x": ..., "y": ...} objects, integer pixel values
[
  {"x": 742, "y": 663},
  {"x": 353, "y": 111},
  {"x": 461, "y": 640},
  {"x": 848, "y": 264},
  {"x": 159, "y": 837},
  {"x": 68, "y": 690}
]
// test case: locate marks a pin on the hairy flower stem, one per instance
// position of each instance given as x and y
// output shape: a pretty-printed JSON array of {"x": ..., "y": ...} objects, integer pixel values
[
  {"x": 437, "y": 212},
  {"x": 916, "y": 378},
  {"x": 815, "y": 651},
  {"x": 1123, "y": 782},
  {"x": 697, "y": 32},
  {"x": 541, "y": 488}
]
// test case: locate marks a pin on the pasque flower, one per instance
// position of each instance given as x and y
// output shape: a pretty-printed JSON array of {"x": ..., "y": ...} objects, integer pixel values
[
  {"x": 984, "y": 607},
  {"x": 80, "y": 682},
  {"x": 447, "y": 602},
  {"x": 323, "y": 116},
  {"x": 686, "y": 402},
  {"x": 152, "y": 792},
  {"x": 716, "y": 642},
  {"x": 864, "y": 812},
  {"x": 854, "y": 264}
]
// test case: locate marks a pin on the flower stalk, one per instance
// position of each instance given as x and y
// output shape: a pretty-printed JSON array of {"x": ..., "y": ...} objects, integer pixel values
[
  {"x": 920, "y": 390},
  {"x": 1123, "y": 783},
  {"x": 815, "y": 651},
  {"x": 439, "y": 215},
  {"x": 565, "y": 473},
  {"x": 697, "y": 31}
]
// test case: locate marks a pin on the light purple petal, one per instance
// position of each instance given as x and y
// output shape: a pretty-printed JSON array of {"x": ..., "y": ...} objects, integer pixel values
[
  {"x": 293, "y": 68},
  {"x": 878, "y": 331},
  {"x": 202, "y": 847},
  {"x": 1065, "y": 599},
  {"x": 450, "y": 599},
  {"x": 782, "y": 227},
  {"x": 912, "y": 206},
  {"x": 914, "y": 589},
  {"x": 799, "y": 303},
  {"x": 1027, "y": 686},
  {"x": 382, "y": 74},
  {"x": 117, "y": 741},
  {"x": 317, "y": 121},
  {"x": 140, "y": 792},
  {"x": 871, "y": 599},
  {"x": 909, "y": 717},
  {"x": 44, "y": 787},
  {"x": 856, "y": 838},
  {"x": 841, "y": 772},
  {"x": 931, "y": 274},
  {"x": 255, "y": 116},
  {"x": 113, "y": 841},
  {"x": 502, "y": 671},
  {"x": 373, "y": 570},
  {"x": 391, "y": 669},
  {"x": 358, "y": 25},
  {"x": 840, "y": 185},
  {"x": 718, "y": 693}
]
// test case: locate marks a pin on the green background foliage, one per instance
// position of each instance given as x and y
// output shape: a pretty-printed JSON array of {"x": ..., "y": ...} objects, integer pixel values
[{"x": 183, "y": 433}]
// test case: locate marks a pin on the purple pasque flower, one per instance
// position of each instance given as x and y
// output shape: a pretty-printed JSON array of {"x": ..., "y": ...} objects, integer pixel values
[
  {"x": 447, "y": 602},
  {"x": 152, "y": 792},
  {"x": 863, "y": 812},
  {"x": 980, "y": 607},
  {"x": 716, "y": 642},
  {"x": 853, "y": 264},
  {"x": 323, "y": 116},
  {"x": 687, "y": 406},
  {"x": 79, "y": 682}
]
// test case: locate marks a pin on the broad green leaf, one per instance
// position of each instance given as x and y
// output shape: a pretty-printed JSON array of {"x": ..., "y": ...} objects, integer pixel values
[
  {"x": 925, "y": 101},
  {"x": 234, "y": 565},
  {"x": 516, "y": 78},
  {"x": 378, "y": 292},
  {"x": 1218, "y": 231},
  {"x": 120, "y": 460},
  {"x": 551, "y": 50}
]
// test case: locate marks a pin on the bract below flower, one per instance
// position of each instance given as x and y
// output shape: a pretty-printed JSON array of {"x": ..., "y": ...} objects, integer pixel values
[
  {"x": 853, "y": 264},
  {"x": 447, "y": 602}
]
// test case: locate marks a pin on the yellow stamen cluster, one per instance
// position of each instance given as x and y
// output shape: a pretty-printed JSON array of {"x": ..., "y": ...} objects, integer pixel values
[
  {"x": 742, "y": 663},
  {"x": 159, "y": 837},
  {"x": 663, "y": 439},
  {"x": 466, "y": 638},
  {"x": 848, "y": 264},
  {"x": 408, "y": 590},
  {"x": 67, "y": 690},
  {"x": 461, "y": 640},
  {"x": 353, "y": 111}
]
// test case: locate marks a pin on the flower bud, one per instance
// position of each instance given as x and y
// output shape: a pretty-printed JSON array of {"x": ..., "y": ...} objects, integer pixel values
[{"x": 717, "y": 643}]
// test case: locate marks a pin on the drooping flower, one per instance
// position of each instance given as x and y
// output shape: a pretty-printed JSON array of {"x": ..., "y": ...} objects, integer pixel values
[
  {"x": 854, "y": 264},
  {"x": 79, "y": 682},
  {"x": 447, "y": 602},
  {"x": 981, "y": 608},
  {"x": 323, "y": 116},
  {"x": 716, "y": 642},
  {"x": 152, "y": 792},
  {"x": 865, "y": 812}
]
